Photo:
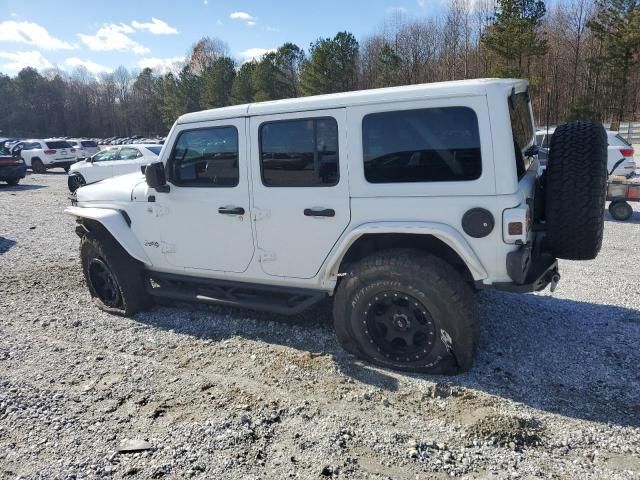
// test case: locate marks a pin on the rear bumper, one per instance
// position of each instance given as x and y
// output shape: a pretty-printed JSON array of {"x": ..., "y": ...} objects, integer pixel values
[
  {"x": 61, "y": 163},
  {"x": 8, "y": 172},
  {"x": 531, "y": 270}
]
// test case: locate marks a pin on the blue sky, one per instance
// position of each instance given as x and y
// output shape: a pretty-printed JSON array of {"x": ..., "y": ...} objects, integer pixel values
[{"x": 103, "y": 35}]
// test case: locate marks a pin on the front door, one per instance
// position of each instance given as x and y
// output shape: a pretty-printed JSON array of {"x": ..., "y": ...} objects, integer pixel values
[
  {"x": 300, "y": 188},
  {"x": 205, "y": 218}
]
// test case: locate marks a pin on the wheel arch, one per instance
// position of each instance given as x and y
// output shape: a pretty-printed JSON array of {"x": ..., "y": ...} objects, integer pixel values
[
  {"x": 438, "y": 239},
  {"x": 116, "y": 223}
]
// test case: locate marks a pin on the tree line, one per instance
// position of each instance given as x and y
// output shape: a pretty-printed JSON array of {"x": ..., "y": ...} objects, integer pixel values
[{"x": 581, "y": 56}]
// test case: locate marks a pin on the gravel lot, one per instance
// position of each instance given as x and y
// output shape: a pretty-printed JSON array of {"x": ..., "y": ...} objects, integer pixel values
[{"x": 225, "y": 393}]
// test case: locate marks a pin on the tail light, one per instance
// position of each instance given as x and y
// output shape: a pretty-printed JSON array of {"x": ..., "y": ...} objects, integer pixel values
[
  {"x": 516, "y": 224},
  {"x": 50, "y": 152},
  {"x": 626, "y": 152}
]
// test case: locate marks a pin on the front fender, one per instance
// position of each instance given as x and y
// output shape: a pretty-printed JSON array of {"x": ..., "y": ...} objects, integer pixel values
[
  {"x": 117, "y": 224},
  {"x": 447, "y": 234}
]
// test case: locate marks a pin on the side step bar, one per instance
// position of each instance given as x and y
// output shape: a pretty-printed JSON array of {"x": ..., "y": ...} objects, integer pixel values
[{"x": 283, "y": 301}]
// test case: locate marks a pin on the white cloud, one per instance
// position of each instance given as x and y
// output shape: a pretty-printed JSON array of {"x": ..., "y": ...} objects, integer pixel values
[
  {"x": 19, "y": 60},
  {"x": 396, "y": 10},
  {"x": 272, "y": 29},
  {"x": 162, "y": 65},
  {"x": 156, "y": 26},
  {"x": 14, "y": 15},
  {"x": 31, "y": 34},
  {"x": 206, "y": 2},
  {"x": 249, "y": 19},
  {"x": 91, "y": 66},
  {"x": 113, "y": 37},
  {"x": 254, "y": 53}
]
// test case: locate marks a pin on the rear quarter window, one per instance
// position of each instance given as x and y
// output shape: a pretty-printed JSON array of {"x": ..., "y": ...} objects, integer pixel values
[{"x": 425, "y": 145}]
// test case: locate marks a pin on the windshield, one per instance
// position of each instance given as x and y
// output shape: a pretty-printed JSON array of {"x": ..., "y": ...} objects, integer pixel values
[{"x": 522, "y": 128}]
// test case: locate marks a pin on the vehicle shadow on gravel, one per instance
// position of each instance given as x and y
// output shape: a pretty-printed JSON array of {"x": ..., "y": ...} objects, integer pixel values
[
  {"x": 6, "y": 244},
  {"x": 19, "y": 187},
  {"x": 310, "y": 331},
  {"x": 562, "y": 356},
  {"x": 635, "y": 218}
]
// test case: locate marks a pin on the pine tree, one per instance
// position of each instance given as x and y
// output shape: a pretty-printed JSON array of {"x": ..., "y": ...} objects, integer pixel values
[
  {"x": 514, "y": 36},
  {"x": 617, "y": 26},
  {"x": 332, "y": 65}
]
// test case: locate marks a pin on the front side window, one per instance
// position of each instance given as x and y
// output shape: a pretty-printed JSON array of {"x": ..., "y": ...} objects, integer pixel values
[
  {"x": 299, "y": 153},
  {"x": 106, "y": 155},
  {"x": 206, "y": 157},
  {"x": 426, "y": 145}
]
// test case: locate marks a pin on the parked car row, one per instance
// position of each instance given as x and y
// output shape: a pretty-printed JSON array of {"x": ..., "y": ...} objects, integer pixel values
[
  {"x": 130, "y": 140},
  {"x": 111, "y": 162},
  {"x": 620, "y": 160}
]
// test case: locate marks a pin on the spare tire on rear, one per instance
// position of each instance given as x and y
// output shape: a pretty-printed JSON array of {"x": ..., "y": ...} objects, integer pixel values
[{"x": 576, "y": 180}]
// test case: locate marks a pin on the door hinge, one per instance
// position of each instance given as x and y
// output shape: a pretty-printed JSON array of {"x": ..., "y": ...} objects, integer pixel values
[
  {"x": 158, "y": 210},
  {"x": 168, "y": 247},
  {"x": 258, "y": 214},
  {"x": 267, "y": 256}
]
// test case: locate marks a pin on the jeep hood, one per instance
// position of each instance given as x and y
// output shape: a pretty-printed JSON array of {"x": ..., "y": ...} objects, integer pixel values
[{"x": 118, "y": 189}]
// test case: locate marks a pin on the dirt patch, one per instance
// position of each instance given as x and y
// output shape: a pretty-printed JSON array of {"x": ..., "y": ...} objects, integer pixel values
[{"x": 508, "y": 431}]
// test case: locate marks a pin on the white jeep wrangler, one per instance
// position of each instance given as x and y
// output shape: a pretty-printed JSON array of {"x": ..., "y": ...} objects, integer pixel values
[{"x": 398, "y": 202}]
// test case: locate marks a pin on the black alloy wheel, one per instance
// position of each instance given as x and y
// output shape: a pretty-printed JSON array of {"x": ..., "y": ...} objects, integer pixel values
[
  {"x": 400, "y": 326},
  {"x": 104, "y": 283}
]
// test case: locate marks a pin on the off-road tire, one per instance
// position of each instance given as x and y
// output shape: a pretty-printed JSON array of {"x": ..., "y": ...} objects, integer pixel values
[
  {"x": 576, "y": 180},
  {"x": 13, "y": 181},
  {"x": 620, "y": 210},
  {"x": 75, "y": 181},
  {"x": 434, "y": 285},
  {"x": 127, "y": 272},
  {"x": 37, "y": 166}
]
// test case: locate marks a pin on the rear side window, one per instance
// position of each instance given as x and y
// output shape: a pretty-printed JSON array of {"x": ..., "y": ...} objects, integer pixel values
[
  {"x": 426, "y": 145},
  {"x": 58, "y": 144},
  {"x": 618, "y": 140},
  {"x": 88, "y": 143},
  {"x": 299, "y": 153},
  {"x": 129, "y": 153},
  {"x": 207, "y": 157}
]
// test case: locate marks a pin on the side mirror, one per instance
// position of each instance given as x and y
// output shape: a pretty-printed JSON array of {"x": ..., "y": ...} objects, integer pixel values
[{"x": 155, "y": 177}]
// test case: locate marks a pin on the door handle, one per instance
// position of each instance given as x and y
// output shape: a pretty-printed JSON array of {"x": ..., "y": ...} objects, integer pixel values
[
  {"x": 231, "y": 210},
  {"x": 321, "y": 212}
]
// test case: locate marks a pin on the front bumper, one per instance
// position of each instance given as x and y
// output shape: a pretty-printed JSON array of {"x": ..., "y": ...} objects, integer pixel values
[
  {"x": 9, "y": 172},
  {"x": 531, "y": 270}
]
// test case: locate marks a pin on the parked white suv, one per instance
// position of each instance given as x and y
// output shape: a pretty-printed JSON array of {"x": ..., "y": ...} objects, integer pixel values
[
  {"x": 111, "y": 162},
  {"x": 84, "y": 148},
  {"x": 620, "y": 153},
  {"x": 41, "y": 155},
  {"x": 397, "y": 202}
]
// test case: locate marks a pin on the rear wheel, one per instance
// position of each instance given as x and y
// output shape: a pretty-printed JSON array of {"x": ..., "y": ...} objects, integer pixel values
[
  {"x": 409, "y": 311},
  {"x": 620, "y": 210},
  {"x": 37, "y": 166},
  {"x": 75, "y": 181},
  {"x": 576, "y": 180},
  {"x": 116, "y": 281}
]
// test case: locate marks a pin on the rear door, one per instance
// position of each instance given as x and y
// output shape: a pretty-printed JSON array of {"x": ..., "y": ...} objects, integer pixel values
[{"x": 300, "y": 187}]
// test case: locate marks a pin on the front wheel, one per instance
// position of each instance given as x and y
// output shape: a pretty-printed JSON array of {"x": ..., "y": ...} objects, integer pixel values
[
  {"x": 620, "y": 210},
  {"x": 75, "y": 181},
  {"x": 116, "y": 281},
  {"x": 13, "y": 181},
  {"x": 407, "y": 310}
]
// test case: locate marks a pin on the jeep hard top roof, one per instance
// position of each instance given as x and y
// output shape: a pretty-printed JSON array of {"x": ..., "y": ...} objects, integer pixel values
[{"x": 459, "y": 88}]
